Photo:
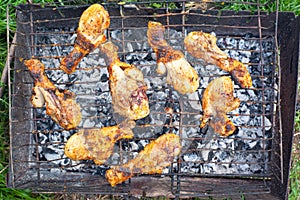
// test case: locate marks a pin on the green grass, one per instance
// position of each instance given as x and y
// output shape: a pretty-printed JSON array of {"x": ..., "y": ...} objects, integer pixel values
[
  {"x": 295, "y": 167},
  {"x": 6, "y": 193},
  {"x": 266, "y": 5},
  {"x": 297, "y": 121},
  {"x": 295, "y": 173}
]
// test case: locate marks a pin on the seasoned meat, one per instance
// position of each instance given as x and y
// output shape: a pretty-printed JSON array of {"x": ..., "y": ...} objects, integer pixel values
[
  {"x": 97, "y": 144},
  {"x": 61, "y": 105},
  {"x": 127, "y": 86},
  {"x": 180, "y": 74},
  {"x": 203, "y": 45},
  {"x": 218, "y": 100},
  {"x": 156, "y": 155},
  {"x": 90, "y": 34}
]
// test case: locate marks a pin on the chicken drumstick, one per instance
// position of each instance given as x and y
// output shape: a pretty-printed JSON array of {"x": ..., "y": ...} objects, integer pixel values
[
  {"x": 60, "y": 104},
  {"x": 217, "y": 100},
  {"x": 156, "y": 155},
  {"x": 181, "y": 75},
  {"x": 203, "y": 45},
  {"x": 90, "y": 34},
  {"x": 127, "y": 86}
]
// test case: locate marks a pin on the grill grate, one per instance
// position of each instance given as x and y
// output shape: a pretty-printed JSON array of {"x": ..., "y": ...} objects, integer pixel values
[{"x": 250, "y": 162}]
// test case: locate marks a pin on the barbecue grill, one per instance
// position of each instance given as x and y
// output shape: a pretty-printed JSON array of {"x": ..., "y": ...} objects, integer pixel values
[{"x": 252, "y": 163}]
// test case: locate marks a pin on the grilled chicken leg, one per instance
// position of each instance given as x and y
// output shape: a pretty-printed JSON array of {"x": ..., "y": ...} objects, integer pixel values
[
  {"x": 127, "y": 86},
  {"x": 203, "y": 45},
  {"x": 60, "y": 104},
  {"x": 156, "y": 155},
  {"x": 181, "y": 75},
  {"x": 217, "y": 100},
  {"x": 90, "y": 34},
  {"x": 97, "y": 144}
]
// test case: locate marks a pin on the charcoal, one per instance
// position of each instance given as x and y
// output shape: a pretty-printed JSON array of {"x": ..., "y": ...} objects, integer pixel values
[{"x": 203, "y": 152}]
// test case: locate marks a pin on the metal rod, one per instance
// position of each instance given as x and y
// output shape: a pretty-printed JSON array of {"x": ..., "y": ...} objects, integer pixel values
[
  {"x": 279, "y": 95},
  {"x": 10, "y": 99}
]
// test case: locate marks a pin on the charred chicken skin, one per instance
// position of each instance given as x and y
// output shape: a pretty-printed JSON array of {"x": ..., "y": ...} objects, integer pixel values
[
  {"x": 127, "y": 86},
  {"x": 156, "y": 155},
  {"x": 60, "y": 104},
  {"x": 218, "y": 100},
  {"x": 203, "y": 45},
  {"x": 90, "y": 34},
  {"x": 97, "y": 144},
  {"x": 180, "y": 74}
]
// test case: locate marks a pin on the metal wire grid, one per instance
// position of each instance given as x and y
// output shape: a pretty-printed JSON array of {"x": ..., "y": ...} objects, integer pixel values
[{"x": 167, "y": 15}]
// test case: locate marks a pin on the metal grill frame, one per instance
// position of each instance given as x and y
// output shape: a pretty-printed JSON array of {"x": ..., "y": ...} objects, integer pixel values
[{"x": 282, "y": 26}]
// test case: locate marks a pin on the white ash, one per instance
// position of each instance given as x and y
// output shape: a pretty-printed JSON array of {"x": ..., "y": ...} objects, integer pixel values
[{"x": 204, "y": 152}]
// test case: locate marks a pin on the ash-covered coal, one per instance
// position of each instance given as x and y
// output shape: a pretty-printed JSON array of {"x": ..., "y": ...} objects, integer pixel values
[{"x": 247, "y": 151}]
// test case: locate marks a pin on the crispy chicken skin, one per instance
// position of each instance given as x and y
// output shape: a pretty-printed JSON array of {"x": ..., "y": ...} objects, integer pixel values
[
  {"x": 217, "y": 100},
  {"x": 180, "y": 74},
  {"x": 90, "y": 34},
  {"x": 97, "y": 144},
  {"x": 60, "y": 104},
  {"x": 156, "y": 155},
  {"x": 127, "y": 86},
  {"x": 203, "y": 45}
]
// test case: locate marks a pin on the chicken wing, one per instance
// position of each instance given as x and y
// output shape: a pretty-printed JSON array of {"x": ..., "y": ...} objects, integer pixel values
[
  {"x": 180, "y": 74},
  {"x": 156, "y": 155},
  {"x": 217, "y": 100},
  {"x": 97, "y": 144},
  {"x": 203, "y": 45},
  {"x": 60, "y": 104},
  {"x": 90, "y": 34},
  {"x": 127, "y": 86}
]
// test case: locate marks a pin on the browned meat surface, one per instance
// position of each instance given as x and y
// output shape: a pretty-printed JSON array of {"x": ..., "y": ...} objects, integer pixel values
[
  {"x": 180, "y": 74},
  {"x": 157, "y": 155},
  {"x": 127, "y": 86},
  {"x": 203, "y": 45},
  {"x": 60, "y": 104},
  {"x": 90, "y": 34},
  {"x": 218, "y": 100},
  {"x": 97, "y": 144}
]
